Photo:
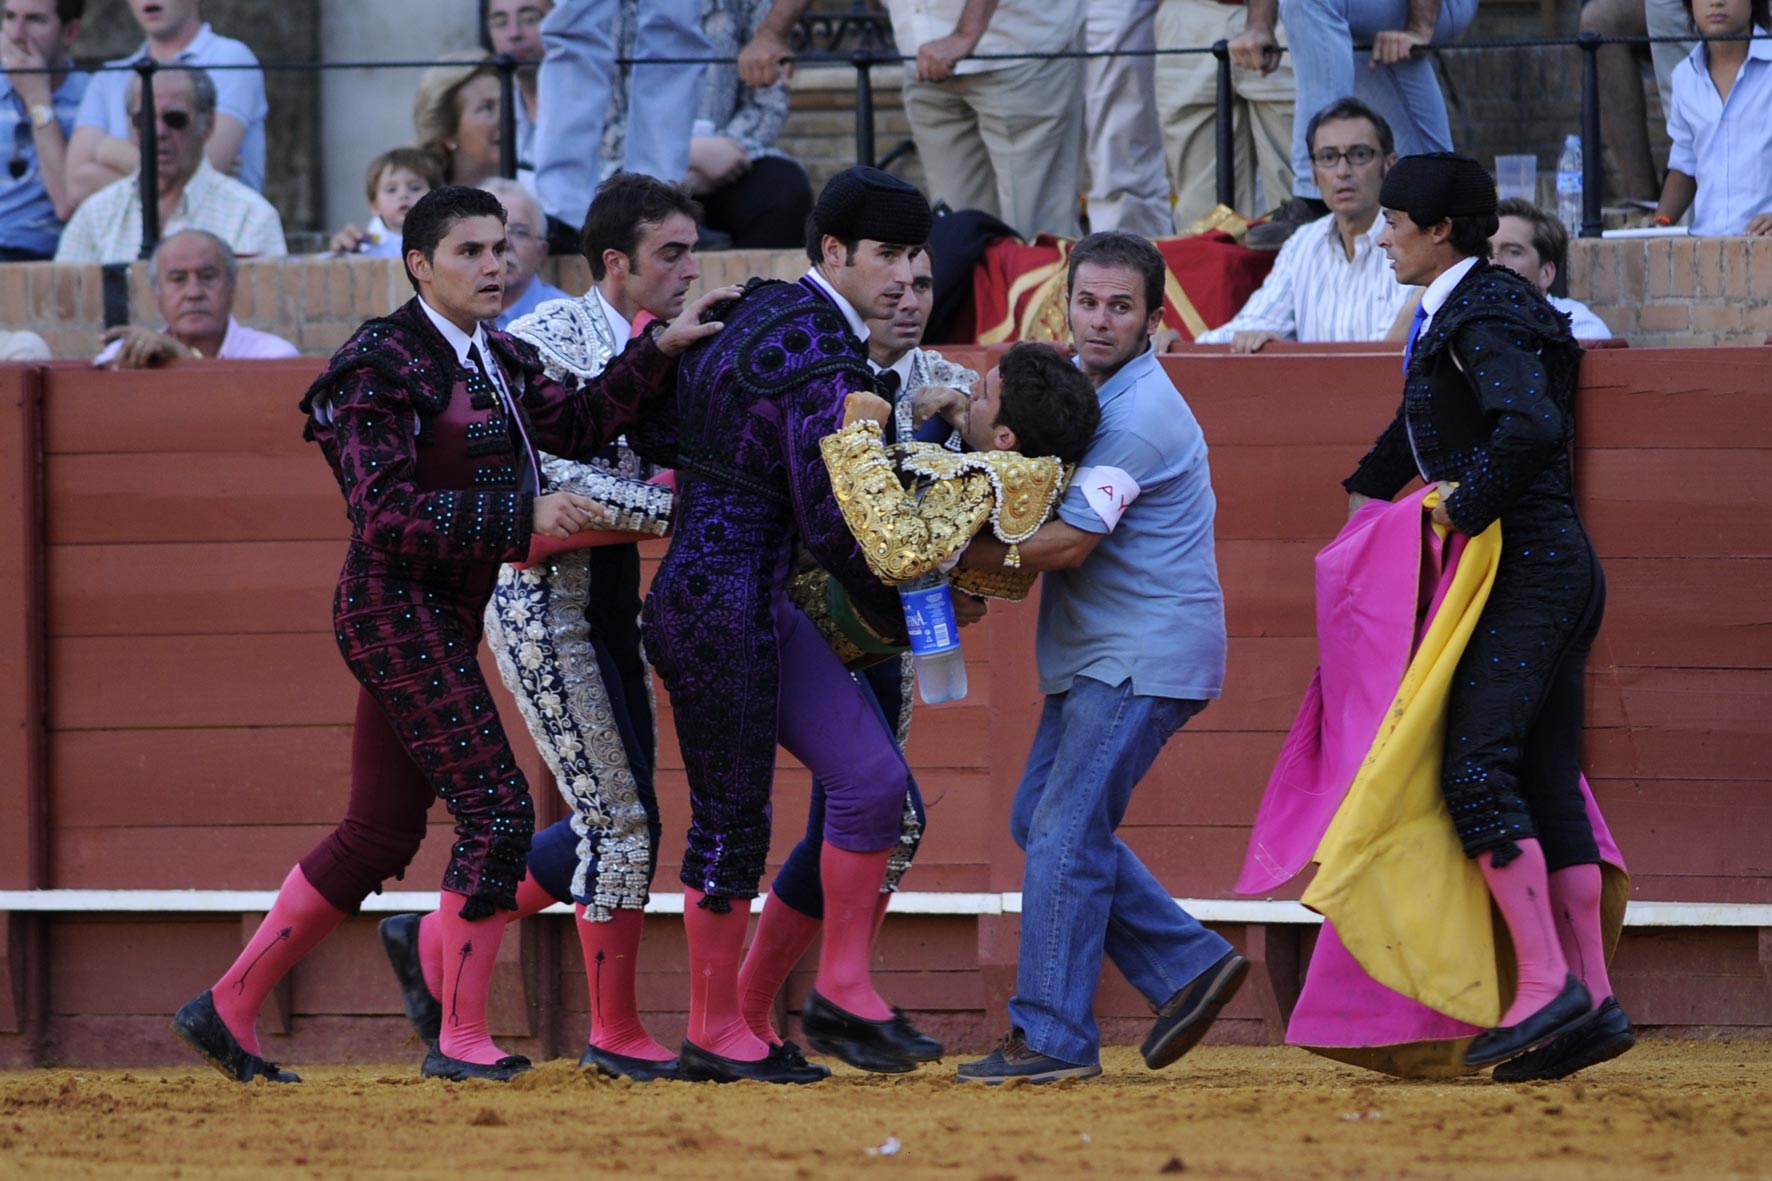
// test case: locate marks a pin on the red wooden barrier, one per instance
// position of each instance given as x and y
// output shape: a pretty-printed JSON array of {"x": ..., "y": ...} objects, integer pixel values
[{"x": 197, "y": 712}]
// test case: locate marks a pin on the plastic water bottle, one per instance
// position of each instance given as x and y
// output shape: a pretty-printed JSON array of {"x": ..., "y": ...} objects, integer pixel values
[
  {"x": 1569, "y": 185},
  {"x": 935, "y": 638}
]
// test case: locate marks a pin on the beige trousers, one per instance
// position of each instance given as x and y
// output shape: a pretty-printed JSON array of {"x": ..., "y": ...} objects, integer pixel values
[
  {"x": 1007, "y": 141},
  {"x": 1187, "y": 93}
]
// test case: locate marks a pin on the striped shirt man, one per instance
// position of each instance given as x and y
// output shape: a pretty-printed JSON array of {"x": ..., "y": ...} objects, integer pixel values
[{"x": 1317, "y": 293}]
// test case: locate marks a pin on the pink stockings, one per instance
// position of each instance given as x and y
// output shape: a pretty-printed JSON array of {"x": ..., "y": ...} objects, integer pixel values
[
  {"x": 299, "y": 919},
  {"x": 1575, "y": 901},
  {"x": 1521, "y": 891}
]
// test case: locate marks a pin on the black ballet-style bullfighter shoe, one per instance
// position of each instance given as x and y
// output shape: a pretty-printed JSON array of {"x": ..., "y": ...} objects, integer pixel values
[
  {"x": 399, "y": 939},
  {"x": 891, "y": 1046},
  {"x": 202, "y": 1029},
  {"x": 783, "y": 1064},
  {"x": 1568, "y": 1010},
  {"x": 441, "y": 1065},
  {"x": 641, "y": 1070},
  {"x": 1601, "y": 1036}
]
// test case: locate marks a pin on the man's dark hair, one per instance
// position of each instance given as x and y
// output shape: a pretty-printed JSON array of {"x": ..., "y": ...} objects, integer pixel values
[
  {"x": 1047, "y": 402},
  {"x": 431, "y": 218},
  {"x": 1471, "y": 233},
  {"x": 1350, "y": 108},
  {"x": 622, "y": 205},
  {"x": 1758, "y": 8},
  {"x": 1117, "y": 248},
  {"x": 815, "y": 243},
  {"x": 69, "y": 10},
  {"x": 1550, "y": 241}
]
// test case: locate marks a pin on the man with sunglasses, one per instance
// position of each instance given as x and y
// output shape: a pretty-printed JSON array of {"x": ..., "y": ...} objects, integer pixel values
[
  {"x": 193, "y": 195},
  {"x": 1330, "y": 282},
  {"x": 36, "y": 117}
]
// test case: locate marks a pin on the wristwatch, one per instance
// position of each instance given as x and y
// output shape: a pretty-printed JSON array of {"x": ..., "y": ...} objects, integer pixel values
[{"x": 42, "y": 116}]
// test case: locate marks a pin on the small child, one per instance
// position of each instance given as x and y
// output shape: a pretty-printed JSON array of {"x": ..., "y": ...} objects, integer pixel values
[
  {"x": 1721, "y": 161},
  {"x": 397, "y": 179}
]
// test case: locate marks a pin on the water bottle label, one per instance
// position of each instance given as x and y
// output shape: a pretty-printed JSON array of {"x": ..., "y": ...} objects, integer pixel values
[
  {"x": 1568, "y": 182},
  {"x": 929, "y": 619}
]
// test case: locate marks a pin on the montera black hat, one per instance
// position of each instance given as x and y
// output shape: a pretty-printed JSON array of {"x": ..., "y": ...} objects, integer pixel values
[
  {"x": 1437, "y": 185},
  {"x": 863, "y": 202}
]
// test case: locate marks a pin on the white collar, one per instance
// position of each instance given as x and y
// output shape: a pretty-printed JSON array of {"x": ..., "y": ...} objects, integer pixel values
[
  {"x": 857, "y": 325},
  {"x": 200, "y": 42},
  {"x": 1440, "y": 290},
  {"x": 458, "y": 340},
  {"x": 620, "y": 327},
  {"x": 903, "y": 367},
  {"x": 1332, "y": 231}
]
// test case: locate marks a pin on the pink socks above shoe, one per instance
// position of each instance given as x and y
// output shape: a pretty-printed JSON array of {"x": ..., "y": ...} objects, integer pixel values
[
  {"x": 783, "y": 935},
  {"x": 611, "y": 957},
  {"x": 1575, "y": 901},
  {"x": 299, "y": 919},
  {"x": 851, "y": 898},
  {"x": 531, "y": 899},
  {"x": 715, "y": 1022},
  {"x": 1521, "y": 890},
  {"x": 470, "y": 951}
]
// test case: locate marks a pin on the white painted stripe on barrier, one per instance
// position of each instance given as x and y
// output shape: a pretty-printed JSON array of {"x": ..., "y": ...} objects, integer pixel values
[{"x": 1211, "y": 910}]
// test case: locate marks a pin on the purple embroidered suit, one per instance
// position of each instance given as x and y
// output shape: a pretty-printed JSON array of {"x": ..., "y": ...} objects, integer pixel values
[
  {"x": 745, "y": 668},
  {"x": 430, "y": 466}
]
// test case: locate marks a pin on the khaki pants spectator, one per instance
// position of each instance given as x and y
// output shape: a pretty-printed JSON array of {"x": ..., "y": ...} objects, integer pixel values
[
  {"x": 1187, "y": 98},
  {"x": 1006, "y": 141}
]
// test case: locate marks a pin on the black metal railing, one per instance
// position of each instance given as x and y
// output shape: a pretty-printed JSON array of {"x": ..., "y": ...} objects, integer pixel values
[{"x": 862, "y": 41}]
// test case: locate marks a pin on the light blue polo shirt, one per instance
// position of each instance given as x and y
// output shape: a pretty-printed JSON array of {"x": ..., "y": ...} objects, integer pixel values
[
  {"x": 1146, "y": 603},
  {"x": 27, "y": 215}
]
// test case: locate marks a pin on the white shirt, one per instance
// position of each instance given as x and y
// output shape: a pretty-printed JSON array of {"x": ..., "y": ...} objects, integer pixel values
[
  {"x": 108, "y": 225},
  {"x": 1583, "y": 324},
  {"x": 857, "y": 325},
  {"x": 1725, "y": 146},
  {"x": 1317, "y": 293},
  {"x": 1440, "y": 290},
  {"x": 620, "y": 327},
  {"x": 1017, "y": 26},
  {"x": 460, "y": 341}
]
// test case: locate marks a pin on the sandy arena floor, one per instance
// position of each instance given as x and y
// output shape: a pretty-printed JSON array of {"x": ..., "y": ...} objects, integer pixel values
[{"x": 1668, "y": 1110}]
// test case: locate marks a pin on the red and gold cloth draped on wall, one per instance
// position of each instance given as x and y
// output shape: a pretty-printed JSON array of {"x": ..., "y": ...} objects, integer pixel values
[{"x": 1019, "y": 289}]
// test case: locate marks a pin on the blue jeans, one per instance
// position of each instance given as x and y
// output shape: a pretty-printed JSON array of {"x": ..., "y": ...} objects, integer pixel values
[
  {"x": 1083, "y": 891},
  {"x": 1321, "y": 35},
  {"x": 572, "y": 96}
]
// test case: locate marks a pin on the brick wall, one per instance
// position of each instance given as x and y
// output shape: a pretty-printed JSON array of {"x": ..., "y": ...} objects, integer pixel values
[
  {"x": 314, "y": 301},
  {"x": 1652, "y": 292},
  {"x": 1677, "y": 291}
]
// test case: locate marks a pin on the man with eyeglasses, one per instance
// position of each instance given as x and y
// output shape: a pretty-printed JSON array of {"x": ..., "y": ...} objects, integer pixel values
[
  {"x": 36, "y": 117},
  {"x": 1330, "y": 282},
  {"x": 193, "y": 195},
  {"x": 527, "y": 249}
]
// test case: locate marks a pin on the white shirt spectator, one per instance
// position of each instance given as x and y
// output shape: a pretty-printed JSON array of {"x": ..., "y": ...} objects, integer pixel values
[
  {"x": 1018, "y": 26},
  {"x": 239, "y": 94},
  {"x": 22, "y": 346},
  {"x": 1583, "y": 324},
  {"x": 1317, "y": 293},
  {"x": 1725, "y": 146},
  {"x": 108, "y": 225}
]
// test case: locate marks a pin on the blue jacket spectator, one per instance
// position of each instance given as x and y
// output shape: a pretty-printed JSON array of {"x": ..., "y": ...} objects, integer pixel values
[{"x": 36, "y": 118}]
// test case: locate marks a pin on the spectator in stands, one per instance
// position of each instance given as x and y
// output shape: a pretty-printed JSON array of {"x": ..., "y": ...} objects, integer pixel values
[
  {"x": 1122, "y": 134},
  {"x": 1005, "y": 137},
  {"x": 36, "y": 117},
  {"x": 1330, "y": 281},
  {"x": 1534, "y": 245},
  {"x": 193, "y": 195},
  {"x": 513, "y": 28},
  {"x": 751, "y": 192},
  {"x": 193, "y": 275},
  {"x": 1720, "y": 166},
  {"x": 1187, "y": 102},
  {"x": 526, "y": 248},
  {"x": 1398, "y": 81},
  {"x": 456, "y": 114},
  {"x": 22, "y": 346},
  {"x": 397, "y": 179},
  {"x": 1624, "y": 121},
  {"x": 576, "y": 81},
  {"x": 102, "y": 149}
]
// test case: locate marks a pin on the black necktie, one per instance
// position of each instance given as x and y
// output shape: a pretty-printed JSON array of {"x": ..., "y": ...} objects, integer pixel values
[{"x": 887, "y": 382}]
